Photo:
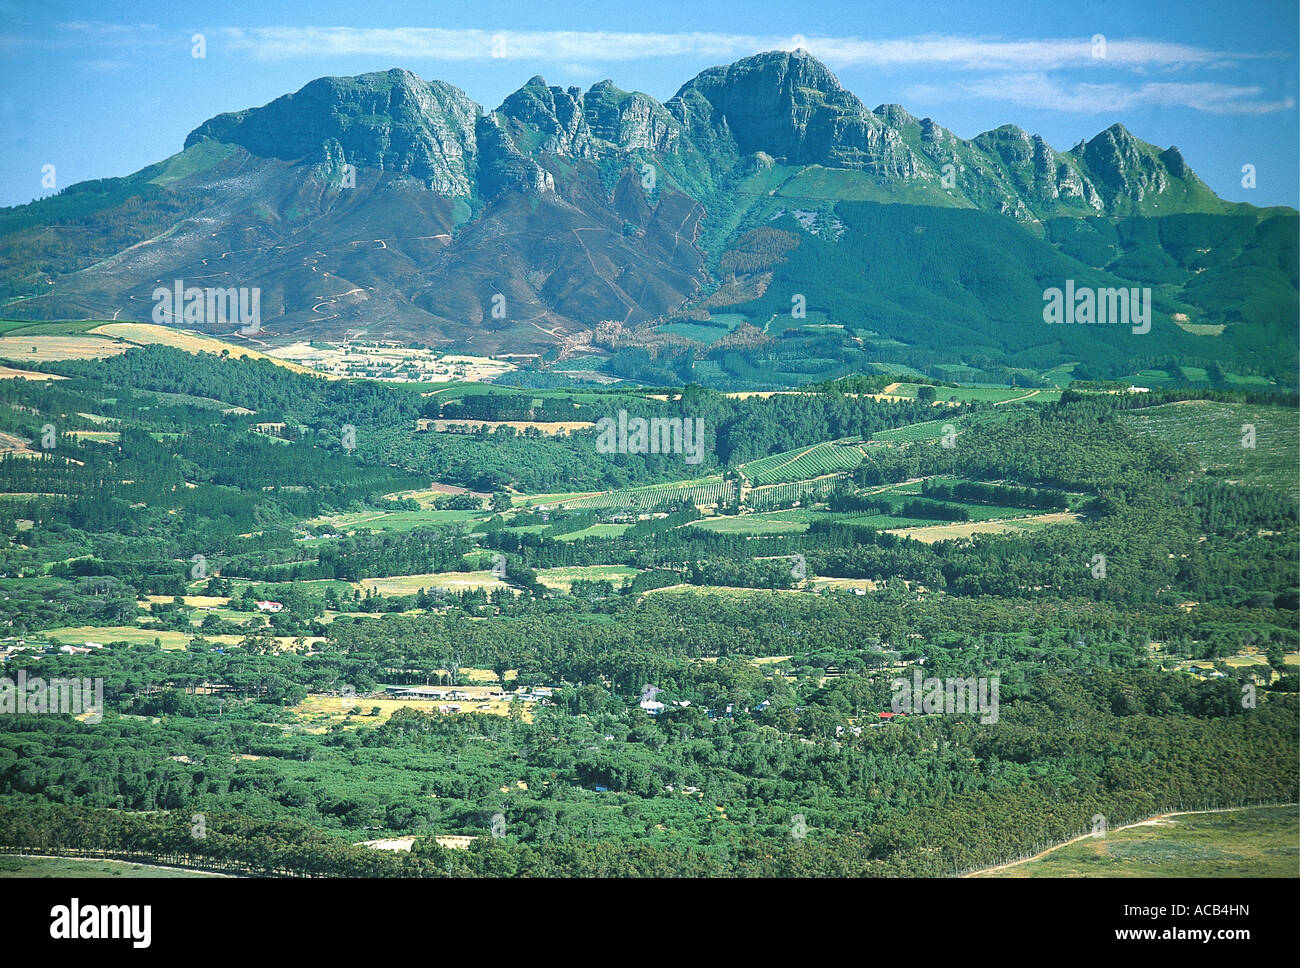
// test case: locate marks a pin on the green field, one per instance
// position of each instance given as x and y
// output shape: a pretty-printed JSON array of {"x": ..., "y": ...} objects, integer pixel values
[
  {"x": 751, "y": 524},
  {"x": 1254, "y": 842},
  {"x": 708, "y": 490},
  {"x": 107, "y": 634},
  {"x": 595, "y": 531},
  {"x": 47, "y": 867},
  {"x": 394, "y": 520},
  {"x": 718, "y": 327},
  {"x": 1213, "y": 432}
]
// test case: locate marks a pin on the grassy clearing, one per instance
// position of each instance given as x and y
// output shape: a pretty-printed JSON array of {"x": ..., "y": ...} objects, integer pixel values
[
  {"x": 108, "y": 634},
  {"x": 705, "y": 492},
  {"x": 560, "y": 497},
  {"x": 994, "y": 395},
  {"x": 1254, "y": 842},
  {"x": 49, "y": 867},
  {"x": 964, "y": 529}
]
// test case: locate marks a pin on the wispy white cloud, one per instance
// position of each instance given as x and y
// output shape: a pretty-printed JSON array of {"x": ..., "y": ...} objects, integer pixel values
[
  {"x": 434, "y": 43},
  {"x": 101, "y": 34},
  {"x": 1105, "y": 74},
  {"x": 1041, "y": 91},
  {"x": 969, "y": 53}
]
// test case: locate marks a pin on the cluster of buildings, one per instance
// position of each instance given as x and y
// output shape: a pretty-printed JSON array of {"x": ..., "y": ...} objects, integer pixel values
[{"x": 12, "y": 646}]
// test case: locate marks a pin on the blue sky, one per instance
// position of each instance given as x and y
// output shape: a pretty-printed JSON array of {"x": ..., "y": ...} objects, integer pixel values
[{"x": 102, "y": 89}]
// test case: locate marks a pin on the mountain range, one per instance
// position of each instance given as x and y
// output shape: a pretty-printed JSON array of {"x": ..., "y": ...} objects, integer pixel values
[{"x": 761, "y": 217}]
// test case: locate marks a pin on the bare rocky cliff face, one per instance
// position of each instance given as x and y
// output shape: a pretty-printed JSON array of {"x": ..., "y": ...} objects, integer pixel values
[{"x": 785, "y": 106}]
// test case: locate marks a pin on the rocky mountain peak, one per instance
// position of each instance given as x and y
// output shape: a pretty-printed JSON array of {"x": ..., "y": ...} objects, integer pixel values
[{"x": 388, "y": 120}]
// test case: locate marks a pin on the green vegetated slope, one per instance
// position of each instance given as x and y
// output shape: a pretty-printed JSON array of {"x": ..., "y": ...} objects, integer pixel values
[
  {"x": 1248, "y": 443},
  {"x": 955, "y": 285},
  {"x": 758, "y": 181}
]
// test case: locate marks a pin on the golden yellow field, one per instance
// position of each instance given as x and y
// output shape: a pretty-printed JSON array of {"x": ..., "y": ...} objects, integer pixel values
[
  {"x": 454, "y": 581},
  {"x": 9, "y": 373},
  {"x": 55, "y": 349},
  {"x": 321, "y": 712},
  {"x": 182, "y": 339},
  {"x": 194, "y": 601},
  {"x": 866, "y": 584},
  {"x": 9, "y": 444}
]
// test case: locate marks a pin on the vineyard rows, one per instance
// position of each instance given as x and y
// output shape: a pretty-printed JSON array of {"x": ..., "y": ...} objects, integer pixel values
[
  {"x": 774, "y": 494},
  {"x": 804, "y": 463}
]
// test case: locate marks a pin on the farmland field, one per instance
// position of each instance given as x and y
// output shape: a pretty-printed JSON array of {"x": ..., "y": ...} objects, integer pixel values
[
  {"x": 449, "y": 581},
  {"x": 394, "y": 520},
  {"x": 318, "y": 713},
  {"x": 144, "y": 334},
  {"x": 562, "y": 578},
  {"x": 55, "y": 349},
  {"x": 943, "y": 532},
  {"x": 106, "y": 634},
  {"x": 11, "y": 373},
  {"x": 752, "y": 524},
  {"x": 705, "y": 491},
  {"x": 772, "y": 494}
]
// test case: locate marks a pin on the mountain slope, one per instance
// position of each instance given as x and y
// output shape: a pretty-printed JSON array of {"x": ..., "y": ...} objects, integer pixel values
[{"x": 396, "y": 206}]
